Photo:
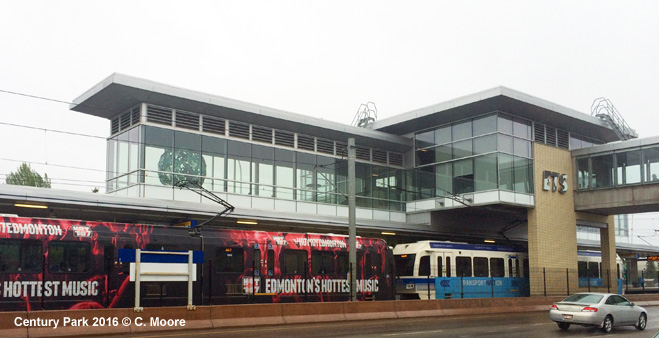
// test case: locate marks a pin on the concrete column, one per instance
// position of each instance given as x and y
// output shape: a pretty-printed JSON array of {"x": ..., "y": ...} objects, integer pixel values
[
  {"x": 632, "y": 272},
  {"x": 608, "y": 247}
]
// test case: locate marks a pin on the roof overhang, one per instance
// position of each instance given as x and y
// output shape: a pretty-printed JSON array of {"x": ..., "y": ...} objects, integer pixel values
[
  {"x": 118, "y": 92},
  {"x": 499, "y": 99}
]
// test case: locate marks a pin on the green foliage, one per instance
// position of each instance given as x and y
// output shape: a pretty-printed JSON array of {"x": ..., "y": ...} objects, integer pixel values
[
  {"x": 25, "y": 175},
  {"x": 650, "y": 270}
]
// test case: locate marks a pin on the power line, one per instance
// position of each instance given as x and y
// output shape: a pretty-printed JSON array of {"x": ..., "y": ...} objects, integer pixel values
[{"x": 52, "y": 130}]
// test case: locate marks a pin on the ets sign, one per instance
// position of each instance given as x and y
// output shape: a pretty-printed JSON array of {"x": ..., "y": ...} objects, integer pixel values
[{"x": 554, "y": 181}]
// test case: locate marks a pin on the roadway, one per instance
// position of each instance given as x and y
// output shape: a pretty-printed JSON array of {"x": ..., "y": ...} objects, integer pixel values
[{"x": 534, "y": 324}]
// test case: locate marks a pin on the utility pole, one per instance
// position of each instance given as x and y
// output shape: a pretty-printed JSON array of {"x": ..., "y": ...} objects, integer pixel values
[{"x": 352, "y": 226}]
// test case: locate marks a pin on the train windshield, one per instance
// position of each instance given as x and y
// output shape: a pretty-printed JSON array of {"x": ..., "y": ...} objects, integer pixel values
[{"x": 404, "y": 265}]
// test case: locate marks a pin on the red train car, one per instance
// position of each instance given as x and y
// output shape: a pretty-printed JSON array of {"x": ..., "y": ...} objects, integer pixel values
[{"x": 64, "y": 264}]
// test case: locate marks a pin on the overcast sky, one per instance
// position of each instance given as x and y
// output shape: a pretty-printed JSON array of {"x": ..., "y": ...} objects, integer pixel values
[{"x": 316, "y": 58}]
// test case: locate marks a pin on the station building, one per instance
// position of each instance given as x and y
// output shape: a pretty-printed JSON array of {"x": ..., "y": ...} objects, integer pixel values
[{"x": 495, "y": 166}]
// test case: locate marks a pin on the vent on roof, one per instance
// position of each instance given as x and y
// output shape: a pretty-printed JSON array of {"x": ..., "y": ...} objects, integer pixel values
[
  {"x": 159, "y": 115},
  {"x": 124, "y": 121},
  {"x": 187, "y": 120},
  {"x": 364, "y": 154},
  {"x": 325, "y": 146},
  {"x": 261, "y": 134},
  {"x": 539, "y": 129},
  {"x": 563, "y": 139},
  {"x": 284, "y": 138},
  {"x": 341, "y": 149},
  {"x": 379, "y": 156},
  {"x": 213, "y": 125},
  {"x": 305, "y": 142},
  {"x": 551, "y": 136},
  {"x": 238, "y": 129},
  {"x": 114, "y": 127},
  {"x": 396, "y": 159},
  {"x": 135, "y": 115}
]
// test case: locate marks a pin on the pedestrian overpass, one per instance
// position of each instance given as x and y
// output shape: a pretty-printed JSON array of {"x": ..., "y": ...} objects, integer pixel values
[{"x": 618, "y": 178}]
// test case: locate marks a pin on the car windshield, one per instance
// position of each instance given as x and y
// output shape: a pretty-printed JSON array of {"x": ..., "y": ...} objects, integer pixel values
[{"x": 585, "y": 298}]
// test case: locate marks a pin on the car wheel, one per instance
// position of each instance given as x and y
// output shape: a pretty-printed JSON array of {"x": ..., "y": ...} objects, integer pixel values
[
  {"x": 564, "y": 326},
  {"x": 607, "y": 325},
  {"x": 642, "y": 321}
]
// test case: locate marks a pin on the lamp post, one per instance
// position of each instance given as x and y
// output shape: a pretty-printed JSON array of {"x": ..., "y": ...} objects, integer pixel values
[{"x": 352, "y": 231}]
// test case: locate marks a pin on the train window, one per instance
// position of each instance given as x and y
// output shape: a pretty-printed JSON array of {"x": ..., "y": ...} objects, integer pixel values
[
  {"x": 161, "y": 247},
  {"x": 526, "y": 268},
  {"x": 618, "y": 271},
  {"x": 582, "y": 269},
  {"x": 481, "y": 267},
  {"x": 510, "y": 267},
  {"x": 496, "y": 267},
  {"x": 342, "y": 263},
  {"x": 439, "y": 266},
  {"x": 257, "y": 260},
  {"x": 230, "y": 260},
  {"x": 271, "y": 262},
  {"x": 295, "y": 262},
  {"x": 448, "y": 266},
  {"x": 20, "y": 256},
  {"x": 322, "y": 262},
  {"x": 463, "y": 266},
  {"x": 517, "y": 274},
  {"x": 404, "y": 265},
  {"x": 593, "y": 270},
  {"x": 376, "y": 263},
  {"x": 67, "y": 257},
  {"x": 424, "y": 266}
]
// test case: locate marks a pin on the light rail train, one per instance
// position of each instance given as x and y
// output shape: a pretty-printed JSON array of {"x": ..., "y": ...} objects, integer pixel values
[{"x": 66, "y": 264}]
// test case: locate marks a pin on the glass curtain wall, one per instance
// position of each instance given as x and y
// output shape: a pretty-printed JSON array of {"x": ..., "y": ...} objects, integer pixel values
[
  {"x": 489, "y": 152},
  {"x": 236, "y": 167},
  {"x": 626, "y": 167}
]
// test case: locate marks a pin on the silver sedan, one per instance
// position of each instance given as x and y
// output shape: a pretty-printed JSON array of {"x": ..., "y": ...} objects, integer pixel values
[{"x": 604, "y": 310}]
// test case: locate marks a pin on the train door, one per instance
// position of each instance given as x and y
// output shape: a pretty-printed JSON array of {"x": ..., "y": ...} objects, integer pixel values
[
  {"x": 513, "y": 266},
  {"x": 442, "y": 260}
]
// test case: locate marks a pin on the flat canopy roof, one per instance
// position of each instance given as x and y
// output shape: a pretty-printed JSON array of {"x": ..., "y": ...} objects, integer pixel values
[
  {"x": 118, "y": 93},
  {"x": 498, "y": 99}
]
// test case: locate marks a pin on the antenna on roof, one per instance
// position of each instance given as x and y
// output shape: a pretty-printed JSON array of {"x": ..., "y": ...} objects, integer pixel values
[
  {"x": 366, "y": 114},
  {"x": 605, "y": 110}
]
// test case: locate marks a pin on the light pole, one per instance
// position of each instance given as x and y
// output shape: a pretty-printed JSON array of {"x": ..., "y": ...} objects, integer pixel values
[{"x": 352, "y": 228}]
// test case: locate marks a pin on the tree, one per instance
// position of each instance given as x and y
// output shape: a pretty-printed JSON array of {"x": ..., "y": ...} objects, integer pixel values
[
  {"x": 25, "y": 175},
  {"x": 650, "y": 270}
]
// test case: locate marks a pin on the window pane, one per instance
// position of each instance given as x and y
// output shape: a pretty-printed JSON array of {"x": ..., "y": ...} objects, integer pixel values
[
  {"x": 496, "y": 267},
  {"x": 425, "y": 139},
  {"x": 444, "y": 179},
  {"x": 628, "y": 167},
  {"x": 505, "y": 144},
  {"x": 284, "y": 176},
  {"x": 602, "y": 175},
  {"x": 481, "y": 267},
  {"x": 322, "y": 262},
  {"x": 522, "y": 175},
  {"x": 229, "y": 260},
  {"x": 651, "y": 160},
  {"x": 294, "y": 262},
  {"x": 583, "y": 175},
  {"x": 442, "y": 153},
  {"x": 505, "y": 172},
  {"x": 461, "y": 130},
  {"x": 462, "y": 149},
  {"x": 443, "y": 135},
  {"x": 485, "y": 172},
  {"x": 65, "y": 257},
  {"x": 463, "y": 176},
  {"x": 522, "y": 128},
  {"x": 522, "y": 147},
  {"x": 424, "y": 266},
  {"x": 505, "y": 124},
  {"x": 463, "y": 266},
  {"x": 485, "y": 125},
  {"x": 425, "y": 156},
  {"x": 485, "y": 144}
]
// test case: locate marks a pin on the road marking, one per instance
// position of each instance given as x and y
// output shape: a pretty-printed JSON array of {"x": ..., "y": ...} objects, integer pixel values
[{"x": 411, "y": 333}]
